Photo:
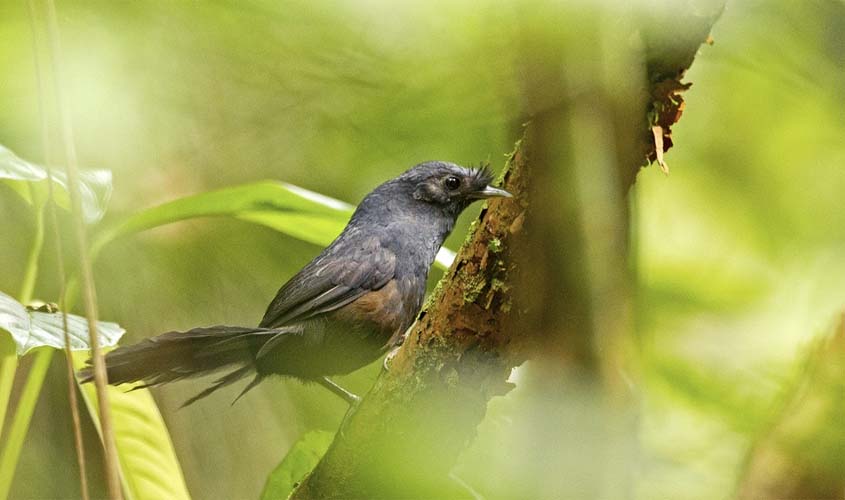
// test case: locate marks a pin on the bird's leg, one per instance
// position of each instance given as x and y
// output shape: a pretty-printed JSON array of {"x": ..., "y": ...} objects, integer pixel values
[
  {"x": 352, "y": 399},
  {"x": 347, "y": 396}
]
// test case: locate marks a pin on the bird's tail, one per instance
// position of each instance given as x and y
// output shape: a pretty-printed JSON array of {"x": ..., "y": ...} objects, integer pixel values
[{"x": 175, "y": 356}]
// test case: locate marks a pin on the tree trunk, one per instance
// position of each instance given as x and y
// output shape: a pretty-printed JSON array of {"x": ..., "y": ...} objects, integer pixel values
[{"x": 544, "y": 276}]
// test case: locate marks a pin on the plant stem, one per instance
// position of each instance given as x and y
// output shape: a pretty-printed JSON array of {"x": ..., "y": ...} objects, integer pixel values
[
  {"x": 13, "y": 440},
  {"x": 31, "y": 270},
  {"x": 8, "y": 367},
  {"x": 89, "y": 294},
  {"x": 23, "y": 415}
]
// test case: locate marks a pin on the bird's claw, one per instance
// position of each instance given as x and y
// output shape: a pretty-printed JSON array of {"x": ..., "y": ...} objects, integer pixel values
[
  {"x": 387, "y": 359},
  {"x": 353, "y": 407}
]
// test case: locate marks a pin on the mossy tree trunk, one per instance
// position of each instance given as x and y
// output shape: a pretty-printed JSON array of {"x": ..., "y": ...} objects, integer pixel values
[{"x": 545, "y": 276}]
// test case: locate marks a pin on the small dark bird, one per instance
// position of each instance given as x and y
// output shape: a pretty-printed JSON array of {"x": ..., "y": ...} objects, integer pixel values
[{"x": 339, "y": 313}]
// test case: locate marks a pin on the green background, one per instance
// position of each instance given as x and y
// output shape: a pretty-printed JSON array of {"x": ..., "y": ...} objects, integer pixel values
[{"x": 740, "y": 249}]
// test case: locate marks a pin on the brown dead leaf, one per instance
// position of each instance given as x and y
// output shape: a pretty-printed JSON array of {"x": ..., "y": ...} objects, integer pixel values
[{"x": 657, "y": 132}]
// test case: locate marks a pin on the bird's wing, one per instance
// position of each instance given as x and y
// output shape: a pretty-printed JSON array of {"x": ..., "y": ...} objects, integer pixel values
[{"x": 341, "y": 274}]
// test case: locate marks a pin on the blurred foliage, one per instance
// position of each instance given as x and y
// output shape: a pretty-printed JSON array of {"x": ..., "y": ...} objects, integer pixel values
[
  {"x": 149, "y": 467},
  {"x": 800, "y": 454},
  {"x": 299, "y": 461},
  {"x": 25, "y": 178},
  {"x": 738, "y": 252},
  {"x": 740, "y": 248}
]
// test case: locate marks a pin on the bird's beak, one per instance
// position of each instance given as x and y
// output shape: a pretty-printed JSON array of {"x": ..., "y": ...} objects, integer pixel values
[{"x": 490, "y": 192}]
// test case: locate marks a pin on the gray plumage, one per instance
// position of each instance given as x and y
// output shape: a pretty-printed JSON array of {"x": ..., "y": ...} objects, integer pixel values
[{"x": 343, "y": 309}]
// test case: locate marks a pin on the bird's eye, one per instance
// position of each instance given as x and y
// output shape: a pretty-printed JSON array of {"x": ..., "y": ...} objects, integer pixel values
[{"x": 452, "y": 183}]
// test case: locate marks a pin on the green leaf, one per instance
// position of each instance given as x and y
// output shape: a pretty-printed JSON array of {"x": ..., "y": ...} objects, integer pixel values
[
  {"x": 299, "y": 461},
  {"x": 273, "y": 204},
  {"x": 95, "y": 185},
  {"x": 148, "y": 464},
  {"x": 14, "y": 168},
  {"x": 31, "y": 329},
  {"x": 283, "y": 207}
]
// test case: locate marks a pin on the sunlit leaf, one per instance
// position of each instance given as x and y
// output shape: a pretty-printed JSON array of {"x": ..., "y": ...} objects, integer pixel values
[
  {"x": 289, "y": 209},
  {"x": 272, "y": 204},
  {"x": 149, "y": 467},
  {"x": 299, "y": 461},
  {"x": 14, "y": 168},
  {"x": 31, "y": 329},
  {"x": 95, "y": 185}
]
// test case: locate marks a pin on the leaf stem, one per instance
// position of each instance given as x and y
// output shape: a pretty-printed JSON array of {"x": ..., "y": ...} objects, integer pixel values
[
  {"x": 31, "y": 270},
  {"x": 23, "y": 415},
  {"x": 8, "y": 367}
]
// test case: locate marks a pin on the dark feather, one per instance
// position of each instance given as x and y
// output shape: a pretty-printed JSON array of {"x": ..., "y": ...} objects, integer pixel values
[
  {"x": 255, "y": 381},
  {"x": 345, "y": 271},
  {"x": 179, "y": 355},
  {"x": 220, "y": 383}
]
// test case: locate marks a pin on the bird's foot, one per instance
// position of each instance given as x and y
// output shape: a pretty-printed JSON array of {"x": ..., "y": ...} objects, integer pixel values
[
  {"x": 387, "y": 359},
  {"x": 353, "y": 407}
]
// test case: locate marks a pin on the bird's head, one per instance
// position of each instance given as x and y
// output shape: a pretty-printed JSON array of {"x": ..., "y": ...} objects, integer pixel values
[
  {"x": 449, "y": 186},
  {"x": 420, "y": 207}
]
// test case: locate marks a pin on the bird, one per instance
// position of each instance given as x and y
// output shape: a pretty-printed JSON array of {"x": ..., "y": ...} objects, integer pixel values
[{"x": 342, "y": 311}]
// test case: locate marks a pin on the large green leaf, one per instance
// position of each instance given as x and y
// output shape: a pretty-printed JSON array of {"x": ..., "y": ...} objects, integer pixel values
[
  {"x": 31, "y": 329},
  {"x": 95, "y": 185},
  {"x": 289, "y": 209},
  {"x": 273, "y": 204},
  {"x": 299, "y": 461},
  {"x": 148, "y": 464}
]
